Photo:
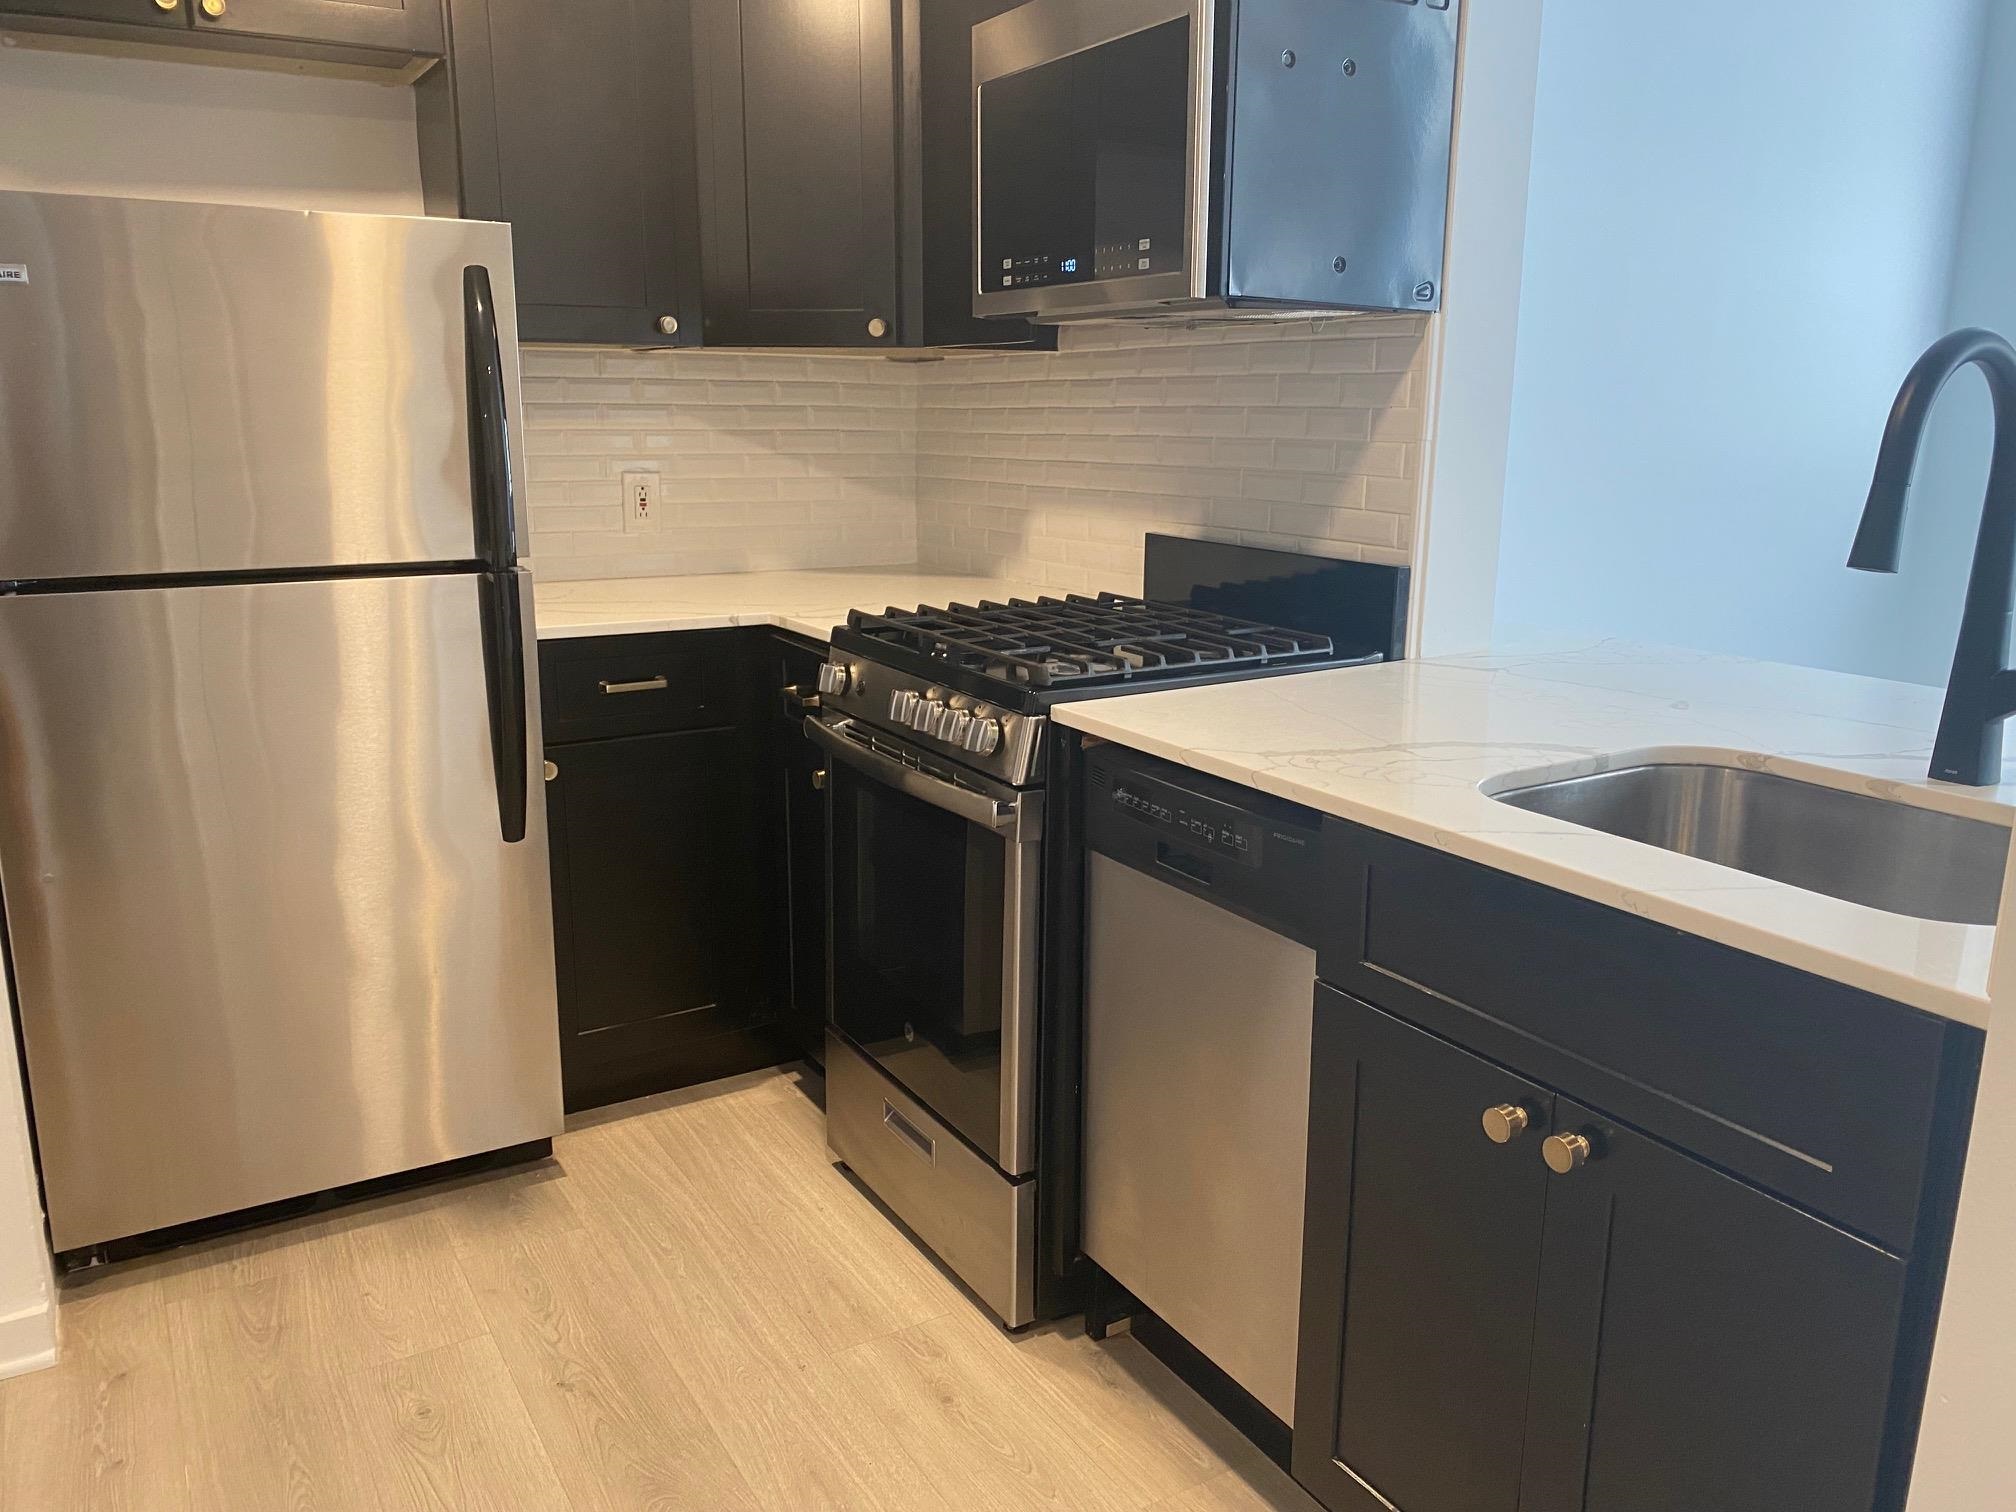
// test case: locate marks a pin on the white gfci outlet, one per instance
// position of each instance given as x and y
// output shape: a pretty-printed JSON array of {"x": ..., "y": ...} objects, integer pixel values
[{"x": 640, "y": 502}]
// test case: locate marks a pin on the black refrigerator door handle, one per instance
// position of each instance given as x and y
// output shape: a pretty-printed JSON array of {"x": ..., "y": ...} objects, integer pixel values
[
  {"x": 489, "y": 426},
  {"x": 504, "y": 679}
]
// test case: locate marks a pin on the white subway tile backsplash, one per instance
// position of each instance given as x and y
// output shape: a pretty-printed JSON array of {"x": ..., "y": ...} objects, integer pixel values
[{"x": 1047, "y": 467}]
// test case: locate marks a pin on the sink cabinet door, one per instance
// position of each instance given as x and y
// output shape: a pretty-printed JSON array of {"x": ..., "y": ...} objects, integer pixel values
[
  {"x": 1701, "y": 1344},
  {"x": 1420, "y": 1271}
]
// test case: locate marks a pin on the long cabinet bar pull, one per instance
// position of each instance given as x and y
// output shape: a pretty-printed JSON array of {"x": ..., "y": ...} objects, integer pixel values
[{"x": 656, "y": 684}]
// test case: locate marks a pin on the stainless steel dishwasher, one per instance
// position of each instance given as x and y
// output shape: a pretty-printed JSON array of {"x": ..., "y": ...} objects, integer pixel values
[{"x": 1200, "y": 989}]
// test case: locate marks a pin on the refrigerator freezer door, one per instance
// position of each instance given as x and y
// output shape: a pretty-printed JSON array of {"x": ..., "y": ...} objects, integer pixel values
[
  {"x": 194, "y": 389},
  {"x": 267, "y": 936}
]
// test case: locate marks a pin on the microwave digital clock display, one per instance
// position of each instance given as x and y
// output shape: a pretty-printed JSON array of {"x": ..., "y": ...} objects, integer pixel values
[{"x": 1083, "y": 164}]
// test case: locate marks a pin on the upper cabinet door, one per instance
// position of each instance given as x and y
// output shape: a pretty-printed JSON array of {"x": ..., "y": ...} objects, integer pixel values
[
  {"x": 1701, "y": 1344},
  {"x": 170, "y": 13},
  {"x": 798, "y": 171},
  {"x": 394, "y": 26},
  {"x": 1420, "y": 1269},
  {"x": 574, "y": 123}
]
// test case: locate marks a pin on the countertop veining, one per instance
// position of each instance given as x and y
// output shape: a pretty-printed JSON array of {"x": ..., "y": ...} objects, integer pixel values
[
  {"x": 1415, "y": 748},
  {"x": 806, "y": 603}
]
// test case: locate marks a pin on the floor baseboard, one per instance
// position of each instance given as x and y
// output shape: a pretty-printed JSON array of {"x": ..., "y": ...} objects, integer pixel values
[{"x": 28, "y": 1339}]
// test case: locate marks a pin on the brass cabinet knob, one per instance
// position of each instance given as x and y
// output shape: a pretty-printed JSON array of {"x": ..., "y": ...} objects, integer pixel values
[
  {"x": 213, "y": 8},
  {"x": 878, "y": 328},
  {"x": 167, "y": 5},
  {"x": 1566, "y": 1152},
  {"x": 552, "y": 770},
  {"x": 1505, "y": 1123},
  {"x": 669, "y": 324},
  {"x": 819, "y": 780}
]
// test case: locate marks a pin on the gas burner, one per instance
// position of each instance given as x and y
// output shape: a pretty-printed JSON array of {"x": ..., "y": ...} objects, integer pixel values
[{"x": 1079, "y": 642}]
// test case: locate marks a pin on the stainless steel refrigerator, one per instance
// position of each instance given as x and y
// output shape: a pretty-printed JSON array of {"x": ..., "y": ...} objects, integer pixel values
[{"x": 272, "y": 834}]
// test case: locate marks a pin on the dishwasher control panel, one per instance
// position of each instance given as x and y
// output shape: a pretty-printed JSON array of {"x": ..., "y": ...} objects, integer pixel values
[{"x": 1246, "y": 850}]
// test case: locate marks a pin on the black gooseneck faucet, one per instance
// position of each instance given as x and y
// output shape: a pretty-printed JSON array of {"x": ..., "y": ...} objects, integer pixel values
[{"x": 1981, "y": 693}]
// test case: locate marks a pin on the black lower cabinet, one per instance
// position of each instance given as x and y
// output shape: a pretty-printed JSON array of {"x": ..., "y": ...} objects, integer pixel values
[
  {"x": 1420, "y": 1272},
  {"x": 659, "y": 890},
  {"x": 1635, "y": 1331},
  {"x": 1701, "y": 1344}
]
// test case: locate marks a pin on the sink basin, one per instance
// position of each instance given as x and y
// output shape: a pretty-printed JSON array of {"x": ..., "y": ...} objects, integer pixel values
[{"x": 1892, "y": 856}]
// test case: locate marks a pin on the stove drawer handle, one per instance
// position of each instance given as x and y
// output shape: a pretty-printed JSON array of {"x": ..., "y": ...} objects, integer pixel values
[
  {"x": 999, "y": 814},
  {"x": 925, "y": 1146}
]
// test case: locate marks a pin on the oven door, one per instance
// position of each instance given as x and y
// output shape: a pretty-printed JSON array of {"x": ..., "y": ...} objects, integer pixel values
[
  {"x": 935, "y": 897},
  {"x": 1092, "y": 140}
]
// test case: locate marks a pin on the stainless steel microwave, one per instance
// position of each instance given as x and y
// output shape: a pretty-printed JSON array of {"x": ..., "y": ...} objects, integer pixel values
[{"x": 1170, "y": 157}]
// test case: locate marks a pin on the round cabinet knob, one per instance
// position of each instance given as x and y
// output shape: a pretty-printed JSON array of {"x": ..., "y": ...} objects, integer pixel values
[
  {"x": 552, "y": 770},
  {"x": 212, "y": 8},
  {"x": 1567, "y": 1152},
  {"x": 668, "y": 324},
  {"x": 167, "y": 5},
  {"x": 1505, "y": 1123},
  {"x": 902, "y": 705},
  {"x": 878, "y": 328}
]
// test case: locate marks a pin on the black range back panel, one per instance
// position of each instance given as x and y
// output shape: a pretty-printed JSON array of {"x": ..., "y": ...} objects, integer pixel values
[{"x": 1360, "y": 606}]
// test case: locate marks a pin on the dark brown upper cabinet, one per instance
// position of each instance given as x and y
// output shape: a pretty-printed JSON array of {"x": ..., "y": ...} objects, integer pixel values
[
  {"x": 389, "y": 26},
  {"x": 835, "y": 172},
  {"x": 377, "y": 33},
  {"x": 575, "y": 124}
]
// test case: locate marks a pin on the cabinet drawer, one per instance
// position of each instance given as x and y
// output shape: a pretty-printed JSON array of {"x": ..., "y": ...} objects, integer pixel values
[
  {"x": 1826, "y": 1095},
  {"x": 639, "y": 684}
]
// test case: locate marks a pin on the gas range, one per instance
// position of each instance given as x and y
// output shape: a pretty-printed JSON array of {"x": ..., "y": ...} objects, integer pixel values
[
  {"x": 973, "y": 683},
  {"x": 950, "y": 863}
]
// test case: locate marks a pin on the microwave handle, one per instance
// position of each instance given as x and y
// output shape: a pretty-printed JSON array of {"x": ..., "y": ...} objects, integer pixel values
[{"x": 975, "y": 808}]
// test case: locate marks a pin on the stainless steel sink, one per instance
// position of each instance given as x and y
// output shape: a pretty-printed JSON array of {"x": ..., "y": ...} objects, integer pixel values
[{"x": 1892, "y": 856}]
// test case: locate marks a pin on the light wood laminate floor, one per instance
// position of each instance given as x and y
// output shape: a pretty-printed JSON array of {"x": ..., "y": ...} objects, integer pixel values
[{"x": 686, "y": 1308}]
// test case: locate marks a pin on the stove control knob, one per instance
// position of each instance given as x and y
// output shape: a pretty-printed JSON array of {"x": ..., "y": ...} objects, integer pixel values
[
  {"x": 958, "y": 727},
  {"x": 835, "y": 678},
  {"x": 901, "y": 706},
  {"x": 984, "y": 739},
  {"x": 924, "y": 713}
]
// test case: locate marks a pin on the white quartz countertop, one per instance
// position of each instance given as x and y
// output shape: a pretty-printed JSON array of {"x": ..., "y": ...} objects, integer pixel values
[
  {"x": 1414, "y": 748},
  {"x": 809, "y": 603}
]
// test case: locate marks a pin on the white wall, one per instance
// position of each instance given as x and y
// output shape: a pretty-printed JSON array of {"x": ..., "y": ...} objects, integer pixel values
[
  {"x": 1739, "y": 237},
  {"x": 90, "y": 123},
  {"x": 1946, "y": 503}
]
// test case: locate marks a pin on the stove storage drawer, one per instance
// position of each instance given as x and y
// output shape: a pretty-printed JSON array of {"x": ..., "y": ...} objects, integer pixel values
[{"x": 977, "y": 1221}]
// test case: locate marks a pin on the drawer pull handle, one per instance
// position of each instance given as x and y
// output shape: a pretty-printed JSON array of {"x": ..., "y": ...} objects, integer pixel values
[
  {"x": 1567, "y": 1152},
  {"x": 1506, "y": 1122},
  {"x": 656, "y": 684},
  {"x": 925, "y": 1146}
]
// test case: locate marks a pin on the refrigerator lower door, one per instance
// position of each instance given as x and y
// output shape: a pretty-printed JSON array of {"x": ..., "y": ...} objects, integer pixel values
[{"x": 267, "y": 936}]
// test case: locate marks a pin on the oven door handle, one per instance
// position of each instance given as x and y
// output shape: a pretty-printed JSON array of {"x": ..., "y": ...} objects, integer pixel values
[{"x": 975, "y": 808}]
